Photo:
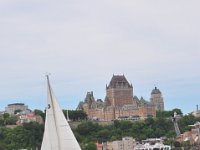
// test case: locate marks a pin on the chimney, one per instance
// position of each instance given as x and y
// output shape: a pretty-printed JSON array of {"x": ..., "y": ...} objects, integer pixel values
[{"x": 197, "y": 108}]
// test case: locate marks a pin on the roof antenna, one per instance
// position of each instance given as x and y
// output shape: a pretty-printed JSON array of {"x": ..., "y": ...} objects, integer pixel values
[{"x": 155, "y": 86}]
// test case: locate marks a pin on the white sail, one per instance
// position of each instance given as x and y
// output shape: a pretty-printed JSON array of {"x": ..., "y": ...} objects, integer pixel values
[{"x": 57, "y": 134}]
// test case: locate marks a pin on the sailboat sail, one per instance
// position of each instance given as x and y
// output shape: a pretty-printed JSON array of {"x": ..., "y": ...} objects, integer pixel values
[{"x": 58, "y": 134}]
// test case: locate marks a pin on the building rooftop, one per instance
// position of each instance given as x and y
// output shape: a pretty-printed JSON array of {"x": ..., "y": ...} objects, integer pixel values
[
  {"x": 156, "y": 91},
  {"x": 16, "y": 104},
  {"x": 118, "y": 80}
]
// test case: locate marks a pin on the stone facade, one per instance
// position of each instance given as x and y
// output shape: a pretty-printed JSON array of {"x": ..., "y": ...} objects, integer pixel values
[
  {"x": 119, "y": 103},
  {"x": 27, "y": 118},
  {"x": 11, "y": 108},
  {"x": 119, "y": 92},
  {"x": 157, "y": 99},
  {"x": 127, "y": 143}
]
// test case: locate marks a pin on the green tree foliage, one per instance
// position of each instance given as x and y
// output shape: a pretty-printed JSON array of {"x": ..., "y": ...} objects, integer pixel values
[
  {"x": 40, "y": 113},
  {"x": 90, "y": 146},
  {"x": 103, "y": 135},
  {"x": 11, "y": 120},
  {"x": 75, "y": 115},
  {"x": 7, "y": 119},
  {"x": 1, "y": 121},
  {"x": 88, "y": 133},
  {"x": 89, "y": 129},
  {"x": 168, "y": 114},
  {"x": 185, "y": 121},
  {"x": 27, "y": 136},
  {"x": 140, "y": 130},
  {"x": 177, "y": 144},
  {"x": 35, "y": 131},
  {"x": 186, "y": 144}
]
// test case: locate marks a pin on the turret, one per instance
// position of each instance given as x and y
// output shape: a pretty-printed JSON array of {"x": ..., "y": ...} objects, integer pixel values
[{"x": 157, "y": 99}]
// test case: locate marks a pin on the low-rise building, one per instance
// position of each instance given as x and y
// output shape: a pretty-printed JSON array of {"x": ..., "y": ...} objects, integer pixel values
[
  {"x": 128, "y": 143},
  {"x": 117, "y": 145},
  {"x": 197, "y": 112},
  {"x": 16, "y": 107},
  {"x": 192, "y": 136},
  {"x": 27, "y": 118},
  {"x": 152, "y": 144}
]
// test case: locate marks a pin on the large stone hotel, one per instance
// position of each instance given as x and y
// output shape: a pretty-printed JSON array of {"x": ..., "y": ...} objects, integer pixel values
[{"x": 121, "y": 103}]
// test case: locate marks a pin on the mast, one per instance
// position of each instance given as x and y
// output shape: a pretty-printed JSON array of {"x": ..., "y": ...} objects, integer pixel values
[
  {"x": 58, "y": 134},
  {"x": 53, "y": 108}
]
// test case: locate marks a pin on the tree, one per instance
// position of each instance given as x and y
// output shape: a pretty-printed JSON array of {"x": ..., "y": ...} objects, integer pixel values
[
  {"x": 185, "y": 144},
  {"x": 8, "y": 120},
  {"x": 21, "y": 137},
  {"x": 168, "y": 114},
  {"x": 2, "y": 146},
  {"x": 116, "y": 123},
  {"x": 177, "y": 144},
  {"x": 185, "y": 121},
  {"x": 16, "y": 138},
  {"x": 5, "y": 118},
  {"x": 36, "y": 131},
  {"x": 1, "y": 121},
  {"x": 75, "y": 114},
  {"x": 178, "y": 111},
  {"x": 103, "y": 134},
  {"x": 90, "y": 146},
  {"x": 12, "y": 120},
  {"x": 88, "y": 128},
  {"x": 40, "y": 113}
]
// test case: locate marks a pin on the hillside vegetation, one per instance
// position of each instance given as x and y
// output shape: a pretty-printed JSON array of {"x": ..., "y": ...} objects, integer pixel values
[{"x": 87, "y": 132}]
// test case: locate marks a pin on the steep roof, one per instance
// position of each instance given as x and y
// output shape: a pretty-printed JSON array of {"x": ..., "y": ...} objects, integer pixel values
[
  {"x": 119, "y": 80},
  {"x": 143, "y": 102},
  {"x": 156, "y": 91},
  {"x": 89, "y": 97}
]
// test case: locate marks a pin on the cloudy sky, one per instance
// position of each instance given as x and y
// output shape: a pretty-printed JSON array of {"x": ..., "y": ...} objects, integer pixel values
[{"x": 83, "y": 43}]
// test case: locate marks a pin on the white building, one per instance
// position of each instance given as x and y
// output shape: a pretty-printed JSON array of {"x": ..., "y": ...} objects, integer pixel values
[
  {"x": 117, "y": 145},
  {"x": 31, "y": 117},
  {"x": 152, "y": 144},
  {"x": 127, "y": 143},
  {"x": 197, "y": 112},
  {"x": 11, "y": 108}
]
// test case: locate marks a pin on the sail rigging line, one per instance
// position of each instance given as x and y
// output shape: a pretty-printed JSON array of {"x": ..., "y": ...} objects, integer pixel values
[
  {"x": 58, "y": 135},
  {"x": 56, "y": 125}
]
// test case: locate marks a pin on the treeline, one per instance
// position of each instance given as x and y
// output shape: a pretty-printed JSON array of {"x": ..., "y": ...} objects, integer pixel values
[
  {"x": 7, "y": 119},
  {"x": 161, "y": 126},
  {"x": 73, "y": 115},
  {"x": 149, "y": 128},
  {"x": 21, "y": 137},
  {"x": 87, "y": 133},
  {"x": 28, "y": 136}
]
